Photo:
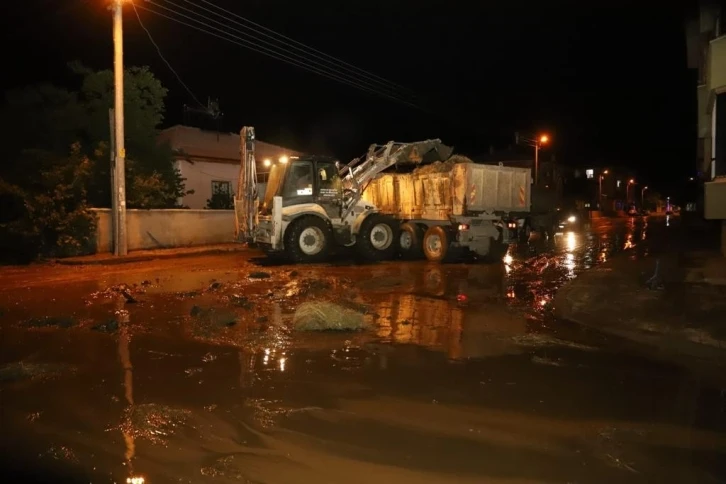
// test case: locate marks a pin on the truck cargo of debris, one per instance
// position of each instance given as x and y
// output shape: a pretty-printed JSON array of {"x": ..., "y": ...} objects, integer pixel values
[{"x": 442, "y": 166}]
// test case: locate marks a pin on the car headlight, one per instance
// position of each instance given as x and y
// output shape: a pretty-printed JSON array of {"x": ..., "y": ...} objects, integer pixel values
[{"x": 571, "y": 218}]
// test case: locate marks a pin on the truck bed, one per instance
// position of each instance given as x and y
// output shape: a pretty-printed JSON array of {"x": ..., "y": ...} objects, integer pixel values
[{"x": 465, "y": 190}]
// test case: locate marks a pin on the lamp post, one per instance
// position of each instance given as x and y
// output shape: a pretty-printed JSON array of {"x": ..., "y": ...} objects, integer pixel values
[
  {"x": 537, "y": 143},
  {"x": 119, "y": 177},
  {"x": 599, "y": 192},
  {"x": 627, "y": 190},
  {"x": 542, "y": 140},
  {"x": 642, "y": 196}
]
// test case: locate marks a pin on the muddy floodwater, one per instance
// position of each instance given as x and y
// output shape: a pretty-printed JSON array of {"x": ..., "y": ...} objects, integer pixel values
[{"x": 192, "y": 370}]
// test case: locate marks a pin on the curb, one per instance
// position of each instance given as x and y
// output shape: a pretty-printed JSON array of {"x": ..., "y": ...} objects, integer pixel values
[{"x": 129, "y": 259}]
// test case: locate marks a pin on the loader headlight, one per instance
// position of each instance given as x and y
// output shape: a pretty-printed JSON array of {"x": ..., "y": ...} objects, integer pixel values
[{"x": 571, "y": 219}]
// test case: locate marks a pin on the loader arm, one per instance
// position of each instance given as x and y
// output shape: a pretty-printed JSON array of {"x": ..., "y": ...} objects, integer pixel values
[
  {"x": 246, "y": 200},
  {"x": 361, "y": 171}
]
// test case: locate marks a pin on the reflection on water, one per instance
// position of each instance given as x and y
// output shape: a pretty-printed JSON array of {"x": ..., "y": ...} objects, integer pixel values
[{"x": 571, "y": 241}]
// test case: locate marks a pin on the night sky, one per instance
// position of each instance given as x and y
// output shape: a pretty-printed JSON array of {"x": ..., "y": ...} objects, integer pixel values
[{"x": 607, "y": 80}]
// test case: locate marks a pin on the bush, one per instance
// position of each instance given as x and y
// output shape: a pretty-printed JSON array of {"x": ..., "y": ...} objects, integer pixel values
[
  {"x": 19, "y": 240},
  {"x": 51, "y": 218},
  {"x": 220, "y": 201}
]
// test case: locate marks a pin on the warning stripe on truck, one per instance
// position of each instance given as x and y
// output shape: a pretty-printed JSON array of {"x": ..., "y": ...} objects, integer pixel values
[{"x": 522, "y": 196}]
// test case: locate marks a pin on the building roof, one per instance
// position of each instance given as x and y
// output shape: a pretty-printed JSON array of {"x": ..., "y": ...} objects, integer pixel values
[{"x": 194, "y": 144}]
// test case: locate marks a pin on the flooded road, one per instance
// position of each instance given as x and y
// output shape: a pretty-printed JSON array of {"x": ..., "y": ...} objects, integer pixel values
[{"x": 191, "y": 370}]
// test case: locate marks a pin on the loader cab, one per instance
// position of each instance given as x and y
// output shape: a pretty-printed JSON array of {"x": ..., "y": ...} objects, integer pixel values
[{"x": 304, "y": 180}]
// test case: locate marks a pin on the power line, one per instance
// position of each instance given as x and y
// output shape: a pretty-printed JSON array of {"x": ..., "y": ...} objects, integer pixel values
[
  {"x": 265, "y": 44},
  {"x": 270, "y": 53},
  {"x": 151, "y": 39},
  {"x": 306, "y": 49}
]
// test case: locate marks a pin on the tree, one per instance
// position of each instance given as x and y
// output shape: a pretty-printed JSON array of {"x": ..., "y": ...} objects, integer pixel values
[
  {"x": 48, "y": 118},
  {"x": 149, "y": 165},
  {"x": 57, "y": 163},
  {"x": 51, "y": 216}
]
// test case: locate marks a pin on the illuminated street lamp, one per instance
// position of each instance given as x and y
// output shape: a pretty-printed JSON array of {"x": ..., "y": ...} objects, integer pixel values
[
  {"x": 642, "y": 194},
  {"x": 599, "y": 198},
  {"x": 543, "y": 140},
  {"x": 627, "y": 189},
  {"x": 537, "y": 143}
]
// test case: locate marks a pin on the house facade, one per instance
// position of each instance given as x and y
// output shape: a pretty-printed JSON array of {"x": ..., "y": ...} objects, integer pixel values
[
  {"x": 211, "y": 161},
  {"x": 706, "y": 42}
]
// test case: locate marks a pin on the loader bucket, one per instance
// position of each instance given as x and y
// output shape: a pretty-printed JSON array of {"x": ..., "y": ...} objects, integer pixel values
[{"x": 424, "y": 152}]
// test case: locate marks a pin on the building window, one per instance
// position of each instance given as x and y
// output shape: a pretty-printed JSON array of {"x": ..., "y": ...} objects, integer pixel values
[
  {"x": 590, "y": 173},
  {"x": 221, "y": 187}
]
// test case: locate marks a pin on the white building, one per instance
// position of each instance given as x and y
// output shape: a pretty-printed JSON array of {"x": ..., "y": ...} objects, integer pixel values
[
  {"x": 706, "y": 37},
  {"x": 211, "y": 161}
]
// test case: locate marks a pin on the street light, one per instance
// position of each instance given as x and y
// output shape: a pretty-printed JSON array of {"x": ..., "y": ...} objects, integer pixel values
[
  {"x": 627, "y": 189},
  {"x": 642, "y": 193},
  {"x": 543, "y": 140},
  {"x": 283, "y": 159},
  {"x": 267, "y": 162},
  {"x": 119, "y": 159},
  {"x": 599, "y": 198}
]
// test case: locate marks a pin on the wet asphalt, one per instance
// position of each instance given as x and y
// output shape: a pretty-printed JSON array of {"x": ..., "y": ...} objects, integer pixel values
[{"x": 190, "y": 370}]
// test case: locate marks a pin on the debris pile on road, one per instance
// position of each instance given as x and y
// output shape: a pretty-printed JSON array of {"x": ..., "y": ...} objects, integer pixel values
[
  {"x": 25, "y": 370},
  {"x": 442, "y": 166},
  {"x": 153, "y": 421},
  {"x": 326, "y": 316}
]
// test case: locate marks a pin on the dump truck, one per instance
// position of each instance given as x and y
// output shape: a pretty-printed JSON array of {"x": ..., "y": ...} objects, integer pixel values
[
  {"x": 453, "y": 207},
  {"x": 314, "y": 204}
]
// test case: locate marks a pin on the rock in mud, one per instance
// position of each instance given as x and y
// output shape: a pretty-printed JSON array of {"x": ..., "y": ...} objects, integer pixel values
[
  {"x": 110, "y": 326},
  {"x": 241, "y": 301},
  {"x": 325, "y": 316},
  {"x": 63, "y": 322},
  {"x": 209, "y": 319},
  {"x": 259, "y": 275}
]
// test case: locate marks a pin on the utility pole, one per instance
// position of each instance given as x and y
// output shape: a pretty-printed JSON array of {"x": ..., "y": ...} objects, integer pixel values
[
  {"x": 114, "y": 198},
  {"x": 119, "y": 178}
]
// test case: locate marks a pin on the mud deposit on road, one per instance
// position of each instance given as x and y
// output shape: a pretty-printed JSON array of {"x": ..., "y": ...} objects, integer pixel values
[{"x": 193, "y": 371}]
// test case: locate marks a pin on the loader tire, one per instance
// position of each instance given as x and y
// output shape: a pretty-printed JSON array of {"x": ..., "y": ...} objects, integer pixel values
[
  {"x": 410, "y": 241},
  {"x": 377, "y": 238},
  {"x": 308, "y": 240}
]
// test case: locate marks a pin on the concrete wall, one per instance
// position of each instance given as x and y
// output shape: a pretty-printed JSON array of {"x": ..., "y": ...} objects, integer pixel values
[{"x": 157, "y": 229}]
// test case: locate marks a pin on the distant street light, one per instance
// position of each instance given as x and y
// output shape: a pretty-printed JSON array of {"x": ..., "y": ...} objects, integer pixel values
[
  {"x": 537, "y": 143},
  {"x": 642, "y": 193},
  {"x": 627, "y": 189},
  {"x": 599, "y": 198}
]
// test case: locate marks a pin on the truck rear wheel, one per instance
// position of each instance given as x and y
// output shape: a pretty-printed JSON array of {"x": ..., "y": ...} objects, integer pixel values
[
  {"x": 410, "y": 241},
  {"x": 377, "y": 238},
  {"x": 437, "y": 244},
  {"x": 308, "y": 239}
]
